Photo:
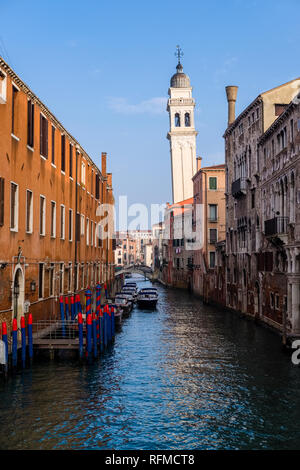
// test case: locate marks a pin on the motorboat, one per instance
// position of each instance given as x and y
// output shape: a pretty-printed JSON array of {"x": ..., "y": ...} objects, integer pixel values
[
  {"x": 124, "y": 301},
  {"x": 147, "y": 297},
  {"x": 131, "y": 291},
  {"x": 118, "y": 312}
]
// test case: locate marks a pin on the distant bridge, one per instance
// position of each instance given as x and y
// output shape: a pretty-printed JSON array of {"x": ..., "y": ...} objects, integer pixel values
[{"x": 142, "y": 269}]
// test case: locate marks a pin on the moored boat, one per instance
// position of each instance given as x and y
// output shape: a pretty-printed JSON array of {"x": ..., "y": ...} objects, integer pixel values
[{"x": 147, "y": 297}]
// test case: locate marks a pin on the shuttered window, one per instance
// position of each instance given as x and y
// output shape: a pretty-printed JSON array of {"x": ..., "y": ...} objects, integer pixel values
[
  {"x": 53, "y": 146},
  {"x": 77, "y": 230},
  {"x": 63, "y": 153},
  {"x": 43, "y": 136},
  {"x": 71, "y": 161},
  {"x": 1, "y": 202},
  {"x": 97, "y": 192},
  {"x": 30, "y": 124}
]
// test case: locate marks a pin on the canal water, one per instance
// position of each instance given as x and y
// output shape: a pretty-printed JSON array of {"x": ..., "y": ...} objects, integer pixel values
[{"x": 186, "y": 376}]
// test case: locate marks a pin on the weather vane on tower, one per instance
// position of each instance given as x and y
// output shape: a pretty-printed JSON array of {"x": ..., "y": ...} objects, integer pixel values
[{"x": 179, "y": 53}]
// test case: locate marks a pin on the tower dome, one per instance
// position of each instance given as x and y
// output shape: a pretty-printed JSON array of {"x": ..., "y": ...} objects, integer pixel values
[{"x": 180, "y": 79}]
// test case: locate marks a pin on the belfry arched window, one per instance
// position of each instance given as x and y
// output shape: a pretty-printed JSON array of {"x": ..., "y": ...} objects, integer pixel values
[
  {"x": 187, "y": 120},
  {"x": 177, "y": 120}
]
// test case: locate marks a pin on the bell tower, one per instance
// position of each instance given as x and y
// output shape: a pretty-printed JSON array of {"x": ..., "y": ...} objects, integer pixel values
[{"x": 182, "y": 134}]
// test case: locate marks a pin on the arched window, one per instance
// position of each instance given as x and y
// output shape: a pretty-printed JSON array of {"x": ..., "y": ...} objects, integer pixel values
[
  {"x": 177, "y": 120},
  {"x": 187, "y": 121}
]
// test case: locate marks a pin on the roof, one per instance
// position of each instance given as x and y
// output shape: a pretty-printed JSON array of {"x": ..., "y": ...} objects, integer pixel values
[
  {"x": 214, "y": 167},
  {"x": 181, "y": 206}
]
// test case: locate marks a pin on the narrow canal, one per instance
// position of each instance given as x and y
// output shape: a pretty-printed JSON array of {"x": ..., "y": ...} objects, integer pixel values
[{"x": 185, "y": 376}]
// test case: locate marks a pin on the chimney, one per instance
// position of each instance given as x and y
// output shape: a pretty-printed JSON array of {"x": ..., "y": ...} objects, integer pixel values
[
  {"x": 199, "y": 162},
  {"x": 109, "y": 179},
  {"x": 103, "y": 164},
  {"x": 231, "y": 92}
]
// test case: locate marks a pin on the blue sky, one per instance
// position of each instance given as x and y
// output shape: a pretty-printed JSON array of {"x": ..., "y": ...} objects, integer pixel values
[{"x": 104, "y": 67}]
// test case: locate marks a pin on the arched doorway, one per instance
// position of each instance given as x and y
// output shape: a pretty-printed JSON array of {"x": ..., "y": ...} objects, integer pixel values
[{"x": 18, "y": 294}]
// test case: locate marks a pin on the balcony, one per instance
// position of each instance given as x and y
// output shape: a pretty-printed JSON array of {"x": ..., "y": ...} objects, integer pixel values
[
  {"x": 276, "y": 226},
  {"x": 239, "y": 187}
]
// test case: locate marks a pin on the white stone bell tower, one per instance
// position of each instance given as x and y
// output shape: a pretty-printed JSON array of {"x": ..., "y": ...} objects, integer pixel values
[{"x": 182, "y": 134}]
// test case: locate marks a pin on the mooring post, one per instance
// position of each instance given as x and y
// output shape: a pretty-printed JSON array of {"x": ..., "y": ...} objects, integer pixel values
[
  {"x": 98, "y": 306},
  {"x": 101, "y": 330},
  {"x": 112, "y": 321},
  {"x": 89, "y": 334},
  {"x": 62, "y": 313},
  {"x": 80, "y": 335},
  {"x": 72, "y": 308},
  {"x": 94, "y": 334},
  {"x": 77, "y": 299},
  {"x": 4, "y": 339},
  {"x": 67, "y": 308},
  {"x": 29, "y": 332},
  {"x": 88, "y": 299},
  {"x": 14, "y": 342},
  {"x": 108, "y": 323},
  {"x": 23, "y": 337}
]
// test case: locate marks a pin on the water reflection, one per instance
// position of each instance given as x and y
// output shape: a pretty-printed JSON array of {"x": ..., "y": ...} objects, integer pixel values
[{"x": 183, "y": 377}]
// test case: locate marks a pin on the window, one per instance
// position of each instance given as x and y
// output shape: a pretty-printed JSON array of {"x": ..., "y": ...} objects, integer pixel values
[
  {"x": 1, "y": 202},
  {"x": 43, "y": 136},
  {"x": 70, "y": 225},
  {"x": 77, "y": 227},
  {"x": 76, "y": 274},
  {"x": 83, "y": 173},
  {"x": 187, "y": 121},
  {"x": 30, "y": 123},
  {"x": 177, "y": 120},
  {"x": 53, "y": 220},
  {"x": 253, "y": 199},
  {"x": 51, "y": 280},
  {"x": 53, "y": 145},
  {"x": 292, "y": 129},
  {"x": 63, "y": 153},
  {"x": 277, "y": 301},
  {"x": 29, "y": 211},
  {"x": 97, "y": 192},
  {"x": 13, "y": 113},
  {"x": 62, "y": 222},
  {"x": 213, "y": 212},
  {"x": 87, "y": 231},
  {"x": 100, "y": 236},
  {"x": 42, "y": 215},
  {"x": 95, "y": 234},
  {"x": 61, "y": 278},
  {"x": 213, "y": 235},
  {"x": 212, "y": 182},
  {"x": 41, "y": 280},
  {"x": 82, "y": 226},
  {"x": 71, "y": 161},
  {"x": 92, "y": 233},
  {"x": 82, "y": 275},
  {"x": 14, "y": 206},
  {"x": 70, "y": 277},
  {"x": 271, "y": 300}
]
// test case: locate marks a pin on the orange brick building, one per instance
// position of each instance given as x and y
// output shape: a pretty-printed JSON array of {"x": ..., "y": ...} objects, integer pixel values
[{"x": 50, "y": 190}]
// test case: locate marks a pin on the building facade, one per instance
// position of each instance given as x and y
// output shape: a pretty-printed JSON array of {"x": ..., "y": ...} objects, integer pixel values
[
  {"x": 50, "y": 192},
  {"x": 130, "y": 247},
  {"x": 249, "y": 255},
  {"x": 209, "y": 200}
]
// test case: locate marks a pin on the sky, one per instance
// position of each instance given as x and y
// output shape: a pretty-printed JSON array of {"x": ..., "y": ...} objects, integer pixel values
[{"x": 104, "y": 68}]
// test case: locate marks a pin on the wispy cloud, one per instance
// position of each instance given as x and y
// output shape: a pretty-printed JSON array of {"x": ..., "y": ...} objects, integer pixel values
[{"x": 155, "y": 105}]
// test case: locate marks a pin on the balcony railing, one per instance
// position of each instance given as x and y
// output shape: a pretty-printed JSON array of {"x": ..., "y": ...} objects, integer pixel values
[
  {"x": 239, "y": 187},
  {"x": 276, "y": 226}
]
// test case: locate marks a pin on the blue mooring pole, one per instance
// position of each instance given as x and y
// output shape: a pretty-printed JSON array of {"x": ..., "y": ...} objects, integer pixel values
[
  {"x": 112, "y": 321},
  {"x": 80, "y": 335},
  {"x": 15, "y": 343},
  {"x": 29, "y": 332},
  {"x": 94, "y": 335},
  {"x": 89, "y": 334},
  {"x": 23, "y": 337},
  {"x": 101, "y": 329}
]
